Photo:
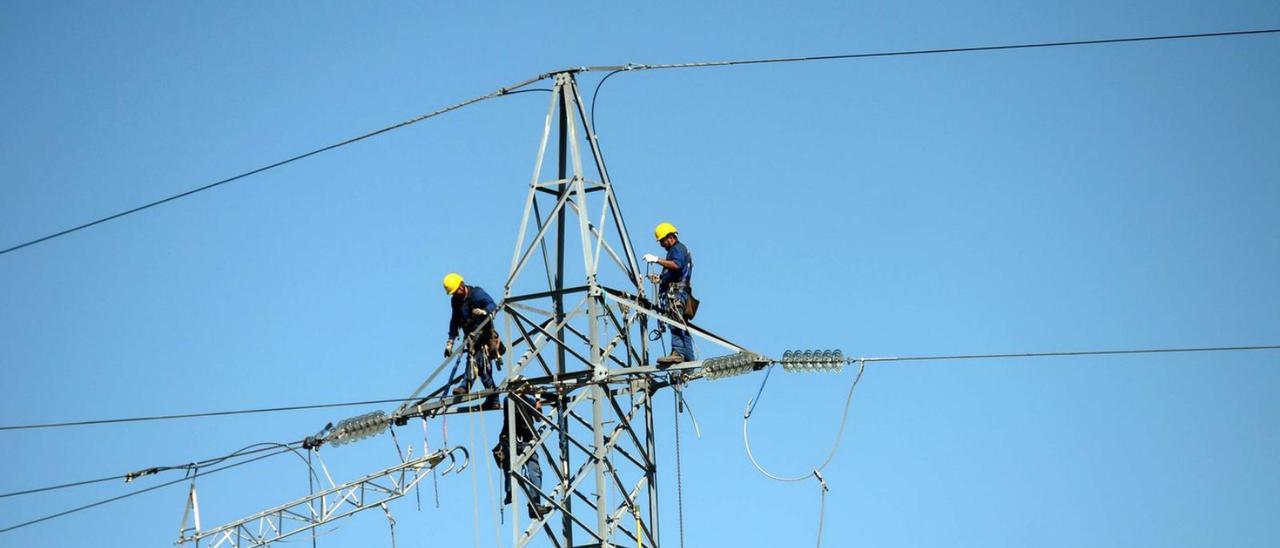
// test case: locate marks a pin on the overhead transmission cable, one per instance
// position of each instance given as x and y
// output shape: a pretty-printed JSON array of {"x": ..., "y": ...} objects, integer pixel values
[
  {"x": 130, "y": 476},
  {"x": 509, "y": 90},
  {"x": 198, "y": 415},
  {"x": 868, "y": 360},
  {"x": 816, "y": 472},
  {"x": 516, "y": 88},
  {"x": 194, "y": 474},
  {"x": 935, "y": 51}
]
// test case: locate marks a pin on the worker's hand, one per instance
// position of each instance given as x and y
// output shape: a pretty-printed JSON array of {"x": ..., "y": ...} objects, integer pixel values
[
  {"x": 448, "y": 347},
  {"x": 478, "y": 312},
  {"x": 650, "y": 258}
]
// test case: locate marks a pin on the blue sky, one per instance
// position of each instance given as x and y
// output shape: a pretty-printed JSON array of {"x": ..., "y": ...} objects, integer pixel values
[{"x": 1085, "y": 198}]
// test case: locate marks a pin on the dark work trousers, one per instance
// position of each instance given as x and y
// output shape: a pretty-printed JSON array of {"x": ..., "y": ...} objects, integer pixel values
[{"x": 480, "y": 356}]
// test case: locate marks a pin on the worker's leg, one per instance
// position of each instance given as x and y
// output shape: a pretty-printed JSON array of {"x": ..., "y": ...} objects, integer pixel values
[
  {"x": 469, "y": 376},
  {"x": 533, "y": 471},
  {"x": 681, "y": 340},
  {"x": 487, "y": 351},
  {"x": 682, "y": 343},
  {"x": 666, "y": 304}
]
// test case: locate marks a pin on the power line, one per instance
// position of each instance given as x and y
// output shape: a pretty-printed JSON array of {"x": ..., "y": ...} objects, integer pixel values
[
  {"x": 1067, "y": 353},
  {"x": 516, "y": 88},
  {"x": 868, "y": 360},
  {"x": 496, "y": 93},
  {"x": 1034, "y": 45},
  {"x": 242, "y": 452},
  {"x": 140, "y": 491},
  {"x": 203, "y": 414}
]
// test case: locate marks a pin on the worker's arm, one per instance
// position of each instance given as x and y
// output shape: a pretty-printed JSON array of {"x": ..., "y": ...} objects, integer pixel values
[
  {"x": 455, "y": 318},
  {"x": 675, "y": 259},
  {"x": 482, "y": 300}
]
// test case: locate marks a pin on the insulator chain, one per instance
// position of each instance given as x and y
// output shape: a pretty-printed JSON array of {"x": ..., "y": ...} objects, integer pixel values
[
  {"x": 731, "y": 365},
  {"x": 813, "y": 360},
  {"x": 358, "y": 427}
]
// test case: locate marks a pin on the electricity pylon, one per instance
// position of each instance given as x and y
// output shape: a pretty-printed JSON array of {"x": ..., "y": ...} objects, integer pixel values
[
  {"x": 580, "y": 335},
  {"x": 582, "y": 343}
]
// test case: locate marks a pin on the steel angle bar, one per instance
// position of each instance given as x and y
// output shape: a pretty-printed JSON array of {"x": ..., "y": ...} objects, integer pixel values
[
  {"x": 604, "y": 211},
  {"x": 552, "y": 428},
  {"x": 570, "y": 93},
  {"x": 615, "y": 519},
  {"x": 522, "y": 257},
  {"x": 605, "y": 352},
  {"x": 532, "y": 309},
  {"x": 605, "y": 245},
  {"x": 537, "y": 344},
  {"x": 559, "y": 343},
  {"x": 617, "y": 374},
  {"x": 546, "y": 259},
  {"x": 609, "y": 442},
  {"x": 589, "y": 465},
  {"x": 525, "y": 335},
  {"x": 301, "y": 515},
  {"x": 623, "y": 298},
  {"x": 546, "y": 294},
  {"x": 611, "y": 199},
  {"x": 536, "y": 524},
  {"x": 625, "y": 327},
  {"x": 533, "y": 183},
  {"x": 625, "y": 421},
  {"x": 552, "y": 185},
  {"x": 405, "y": 406}
]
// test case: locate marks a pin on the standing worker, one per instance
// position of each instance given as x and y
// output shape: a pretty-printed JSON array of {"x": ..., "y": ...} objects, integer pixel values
[
  {"x": 674, "y": 290},
  {"x": 527, "y": 415},
  {"x": 472, "y": 310}
]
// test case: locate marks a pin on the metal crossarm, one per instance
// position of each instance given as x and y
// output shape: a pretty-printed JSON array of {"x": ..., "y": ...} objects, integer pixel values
[{"x": 315, "y": 510}]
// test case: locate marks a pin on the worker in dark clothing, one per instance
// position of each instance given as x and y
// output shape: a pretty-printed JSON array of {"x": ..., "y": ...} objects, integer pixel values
[
  {"x": 674, "y": 290},
  {"x": 472, "y": 310},
  {"x": 526, "y": 432}
]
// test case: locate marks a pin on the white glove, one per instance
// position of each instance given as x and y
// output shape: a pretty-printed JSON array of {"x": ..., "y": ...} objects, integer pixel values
[
  {"x": 650, "y": 258},
  {"x": 478, "y": 312}
]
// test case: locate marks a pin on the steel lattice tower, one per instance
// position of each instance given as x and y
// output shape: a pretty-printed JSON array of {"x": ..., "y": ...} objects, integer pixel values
[{"x": 584, "y": 340}]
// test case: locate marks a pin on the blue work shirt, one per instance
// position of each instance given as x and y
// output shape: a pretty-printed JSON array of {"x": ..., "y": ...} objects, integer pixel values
[
  {"x": 462, "y": 306},
  {"x": 678, "y": 254}
]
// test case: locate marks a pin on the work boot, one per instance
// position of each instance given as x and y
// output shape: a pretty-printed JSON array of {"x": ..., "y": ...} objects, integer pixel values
[
  {"x": 459, "y": 390},
  {"x": 671, "y": 359},
  {"x": 491, "y": 403},
  {"x": 539, "y": 510}
]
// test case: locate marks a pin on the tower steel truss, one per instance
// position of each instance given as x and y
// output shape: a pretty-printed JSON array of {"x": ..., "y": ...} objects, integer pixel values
[
  {"x": 580, "y": 343},
  {"x": 305, "y": 514}
]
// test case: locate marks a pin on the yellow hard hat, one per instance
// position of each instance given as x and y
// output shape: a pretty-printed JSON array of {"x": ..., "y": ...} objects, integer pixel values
[
  {"x": 452, "y": 281},
  {"x": 663, "y": 230}
]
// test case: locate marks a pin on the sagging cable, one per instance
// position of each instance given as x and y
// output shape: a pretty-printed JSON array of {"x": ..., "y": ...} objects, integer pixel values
[{"x": 816, "y": 473}]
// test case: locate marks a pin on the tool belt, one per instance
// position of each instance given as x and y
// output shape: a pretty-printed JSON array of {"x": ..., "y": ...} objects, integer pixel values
[
  {"x": 486, "y": 344},
  {"x": 687, "y": 307}
]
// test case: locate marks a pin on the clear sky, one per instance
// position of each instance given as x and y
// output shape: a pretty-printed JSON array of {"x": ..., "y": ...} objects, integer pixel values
[{"x": 1099, "y": 197}]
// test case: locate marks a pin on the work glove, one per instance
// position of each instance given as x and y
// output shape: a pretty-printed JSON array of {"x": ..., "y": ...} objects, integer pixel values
[
  {"x": 448, "y": 347},
  {"x": 650, "y": 258},
  {"x": 479, "y": 312}
]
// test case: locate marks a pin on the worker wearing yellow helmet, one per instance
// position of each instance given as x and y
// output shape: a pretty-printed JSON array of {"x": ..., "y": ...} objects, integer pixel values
[
  {"x": 472, "y": 309},
  {"x": 674, "y": 290}
]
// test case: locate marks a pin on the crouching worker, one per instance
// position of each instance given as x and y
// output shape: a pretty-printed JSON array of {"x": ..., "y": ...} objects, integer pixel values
[
  {"x": 472, "y": 309},
  {"x": 526, "y": 433}
]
